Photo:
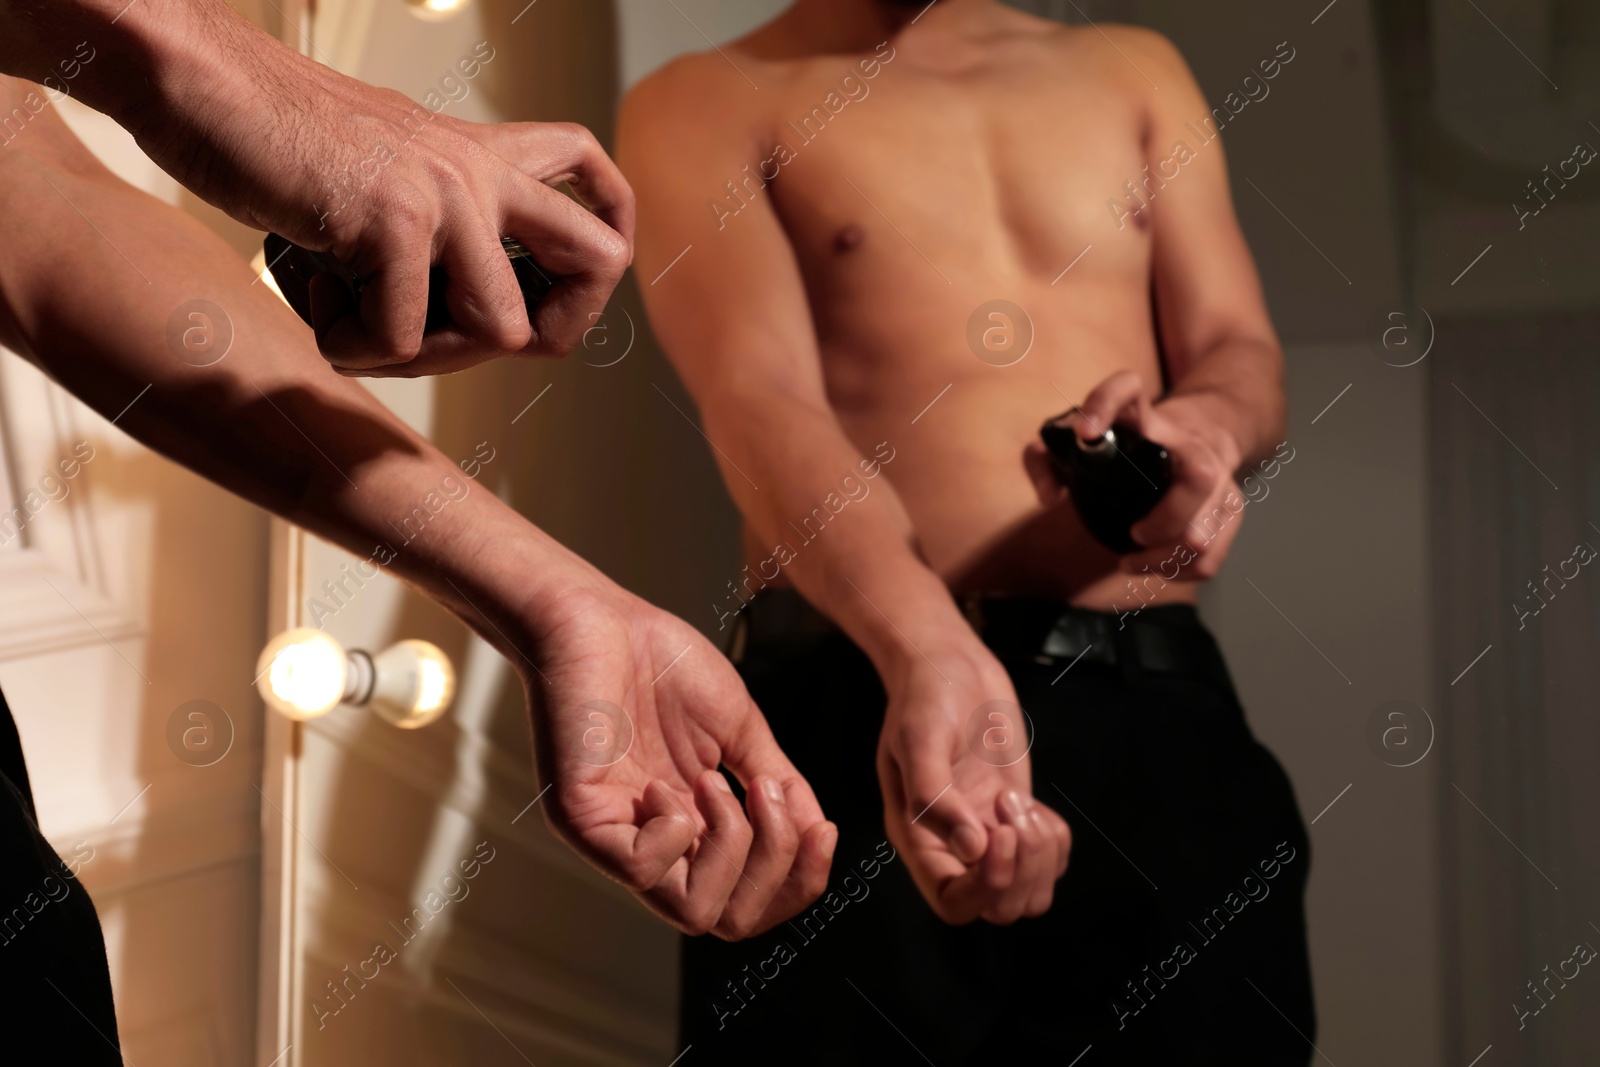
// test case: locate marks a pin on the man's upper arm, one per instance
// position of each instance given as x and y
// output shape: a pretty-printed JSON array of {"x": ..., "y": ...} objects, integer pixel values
[
  {"x": 1207, "y": 288},
  {"x": 723, "y": 289}
]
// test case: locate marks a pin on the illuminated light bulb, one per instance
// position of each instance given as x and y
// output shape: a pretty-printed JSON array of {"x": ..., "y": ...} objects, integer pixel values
[
  {"x": 305, "y": 673},
  {"x": 302, "y": 673},
  {"x": 413, "y": 684},
  {"x": 436, "y": 10}
]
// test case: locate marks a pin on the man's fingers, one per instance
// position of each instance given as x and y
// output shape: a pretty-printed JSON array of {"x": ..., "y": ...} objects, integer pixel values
[
  {"x": 752, "y": 752},
  {"x": 932, "y": 801},
  {"x": 584, "y": 256},
  {"x": 557, "y": 152},
  {"x": 387, "y": 327},
  {"x": 568, "y": 311},
  {"x": 1198, "y": 481},
  {"x": 564, "y": 237},
  {"x": 1036, "y": 861},
  {"x": 641, "y": 856},
  {"x": 1106, "y": 402},
  {"x": 718, "y": 862},
  {"x": 331, "y": 300},
  {"x": 482, "y": 294},
  {"x": 393, "y": 266},
  {"x": 766, "y": 866},
  {"x": 768, "y": 871},
  {"x": 966, "y": 896},
  {"x": 1195, "y": 549},
  {"x": 1036, "y": 461},
  {"x": 1055, "y": 847}
]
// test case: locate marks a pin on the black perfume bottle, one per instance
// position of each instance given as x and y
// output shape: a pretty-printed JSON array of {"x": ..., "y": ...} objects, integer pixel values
[
  {"x": 293, "y": 268},
  {"x": 1115, "y": 478}
]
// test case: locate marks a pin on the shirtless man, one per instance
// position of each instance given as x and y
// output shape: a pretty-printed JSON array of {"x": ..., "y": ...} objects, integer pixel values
[{"x": 828, "y": 209}]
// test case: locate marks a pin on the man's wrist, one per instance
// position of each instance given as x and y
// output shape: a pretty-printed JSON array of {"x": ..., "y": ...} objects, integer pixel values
[
  {"x": 509, "y": 580},
  {"x": 897, "y": 619}
]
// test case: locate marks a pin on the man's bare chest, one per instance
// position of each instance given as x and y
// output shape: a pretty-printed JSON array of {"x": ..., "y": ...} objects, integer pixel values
[{"x": 962, "y": 163}]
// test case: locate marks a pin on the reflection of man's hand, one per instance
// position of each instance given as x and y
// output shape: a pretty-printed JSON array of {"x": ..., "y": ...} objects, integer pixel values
[
  {"x": 633, "y": 714},
  {"x": 1188, "y": 533},
  {"x": 975, "y": 841}
]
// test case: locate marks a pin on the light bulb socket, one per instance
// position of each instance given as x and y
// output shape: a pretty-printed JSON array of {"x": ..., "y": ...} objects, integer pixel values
[
  {"x": 414, "y": 685},
  {"x": 360, "y": 677}
]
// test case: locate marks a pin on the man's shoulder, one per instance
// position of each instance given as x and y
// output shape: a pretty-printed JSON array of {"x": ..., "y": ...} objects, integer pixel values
[
  {"x": 685, "y": 79},
  {"x": 1139, "y": 46},
  {"x": 687, "y": 100}
]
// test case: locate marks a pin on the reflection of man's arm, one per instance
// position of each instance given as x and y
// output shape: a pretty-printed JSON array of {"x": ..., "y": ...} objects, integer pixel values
[
  {"x": 92, "y": 271},
  {"x": 1225, "y": 409},
  {"x": 1218, "y": 339},
  {"x": 733, "y": 316}
]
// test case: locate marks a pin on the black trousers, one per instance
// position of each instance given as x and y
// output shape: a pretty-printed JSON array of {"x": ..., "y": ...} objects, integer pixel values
[
  {"x": 1177, "y": 935},
  {"x": 55, "y": 984}
]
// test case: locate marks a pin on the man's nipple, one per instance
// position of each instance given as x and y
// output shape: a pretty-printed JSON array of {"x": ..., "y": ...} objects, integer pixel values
[{"x": 849, "y": 238}]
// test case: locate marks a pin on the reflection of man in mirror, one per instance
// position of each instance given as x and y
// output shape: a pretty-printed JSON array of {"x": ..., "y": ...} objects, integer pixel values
[{"x": 833, "y": 209}]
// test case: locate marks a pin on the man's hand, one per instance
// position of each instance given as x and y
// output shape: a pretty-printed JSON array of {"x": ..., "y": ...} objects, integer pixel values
[
  {"x": 391, "y": 187},
  {"x": 976, "y": 842},
  {"x": 634, "y": 712},
  {"x": 1195, "y": 523}
]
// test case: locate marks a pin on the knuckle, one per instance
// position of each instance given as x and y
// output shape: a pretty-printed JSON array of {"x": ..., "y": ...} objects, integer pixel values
[
  {"x": 700, "y": 920},
  {"x": 576, "y": 133},
  {"x": 635, "y": 879},
  {"x": 812, "y": 883},
  {"x": 408, "y": 213},
  {"x": 611, "y": 253},
  {"x": 450, "y": 174},
  {"x": 397, "y": 351},
  {"x": 733, "y": 929}
]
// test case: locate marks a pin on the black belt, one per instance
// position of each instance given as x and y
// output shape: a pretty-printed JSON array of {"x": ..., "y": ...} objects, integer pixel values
[{"x": 1167, "y": 640}]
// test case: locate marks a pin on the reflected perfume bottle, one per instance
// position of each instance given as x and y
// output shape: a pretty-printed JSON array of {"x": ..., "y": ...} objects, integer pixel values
[
  {"x": 293, "y": 267},
  {"x": 1115, "y": 478}
]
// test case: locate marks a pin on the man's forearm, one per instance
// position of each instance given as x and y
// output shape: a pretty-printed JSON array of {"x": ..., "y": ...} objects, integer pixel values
[
  {"x": 833, "y": 524},
  {"x": 269, "y": 421},
  {"x": 121, "y": 57},
  {"x": 1239, "y": 384},
  {"x": 185, "y": 77}
]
